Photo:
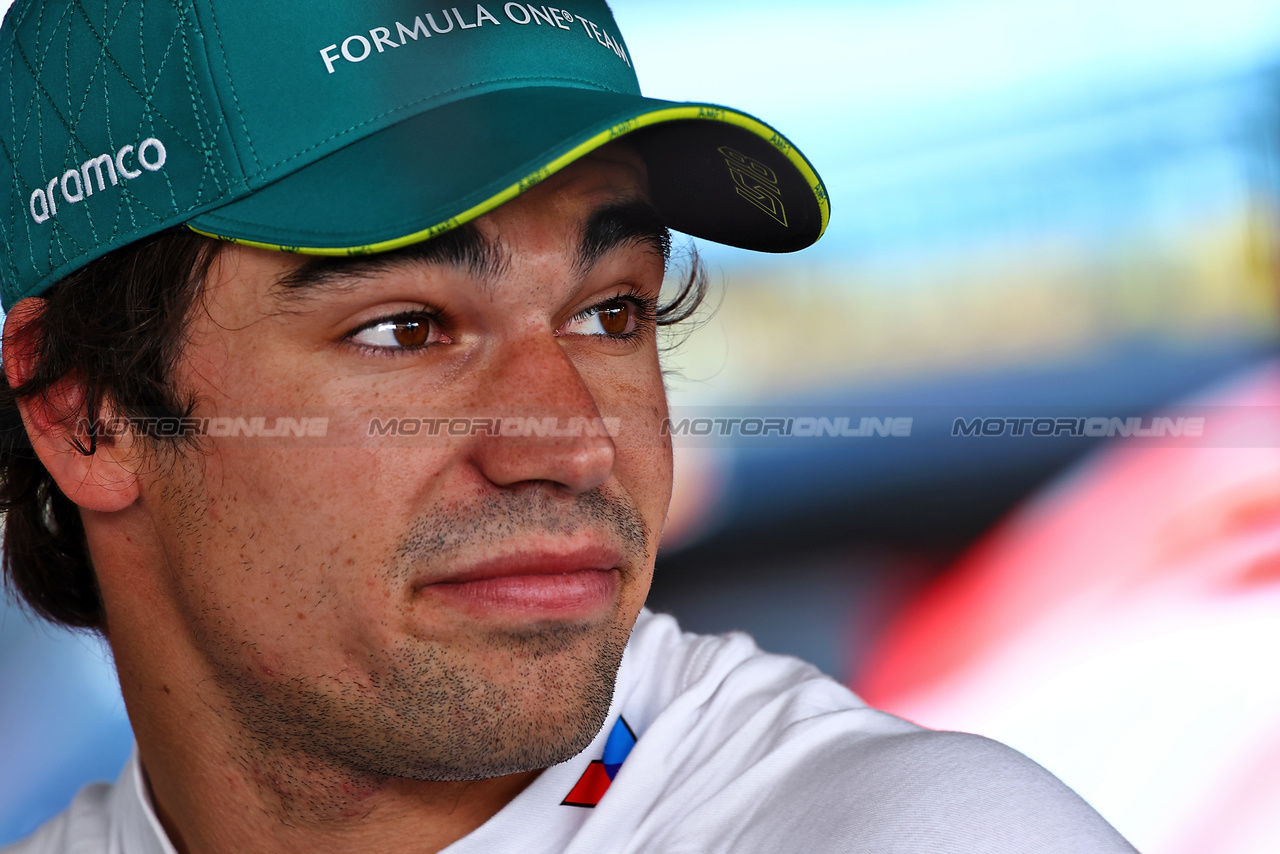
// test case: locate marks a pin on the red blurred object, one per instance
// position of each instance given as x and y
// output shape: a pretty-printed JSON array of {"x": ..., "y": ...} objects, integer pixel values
[{"x": 1121, "y": 629}]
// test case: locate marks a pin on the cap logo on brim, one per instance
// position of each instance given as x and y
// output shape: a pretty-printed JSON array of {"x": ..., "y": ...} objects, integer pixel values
[{"x": 756, "y": 182}]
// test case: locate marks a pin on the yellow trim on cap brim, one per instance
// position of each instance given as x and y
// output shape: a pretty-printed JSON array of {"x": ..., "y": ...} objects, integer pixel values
[{"x": 693, "y": 111}]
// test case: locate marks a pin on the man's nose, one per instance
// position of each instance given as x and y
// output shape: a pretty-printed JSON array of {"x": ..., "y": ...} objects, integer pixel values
[{"x": 548, "y": 426}]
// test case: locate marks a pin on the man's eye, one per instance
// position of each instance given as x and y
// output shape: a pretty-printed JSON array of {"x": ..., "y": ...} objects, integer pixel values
[
  {"x": 614, "y": 319},
  {"x": 406, "y": 332}
]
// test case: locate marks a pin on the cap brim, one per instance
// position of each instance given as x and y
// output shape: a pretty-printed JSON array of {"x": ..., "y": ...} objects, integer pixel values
[{"x": 714, "y": 173}]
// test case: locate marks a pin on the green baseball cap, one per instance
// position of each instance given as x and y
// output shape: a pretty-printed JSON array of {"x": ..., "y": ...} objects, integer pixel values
[{"x": 335, "y": 127}]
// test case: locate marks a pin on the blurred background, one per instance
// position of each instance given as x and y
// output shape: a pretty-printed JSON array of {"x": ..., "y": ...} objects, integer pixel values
[{"x": 1051, "y": 209}]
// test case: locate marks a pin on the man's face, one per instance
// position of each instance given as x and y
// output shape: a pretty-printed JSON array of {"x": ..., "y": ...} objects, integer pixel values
[{"x": 438, "y": 607}]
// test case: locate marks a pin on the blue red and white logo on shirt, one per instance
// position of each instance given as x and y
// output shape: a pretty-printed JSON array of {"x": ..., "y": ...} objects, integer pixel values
[{"x": 595, "y": 781}]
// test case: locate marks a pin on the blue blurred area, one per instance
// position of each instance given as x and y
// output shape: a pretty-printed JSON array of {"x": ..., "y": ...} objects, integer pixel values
[
  {"x": 812, "y": 547},
  {"x": 848, "y": 481},
  {"x": 1052, "y": 204},
  {"x": 944, "y": 121},
  {"x": 1093, "y": 171},
  {"x": 62, "y": 721},
  {"x": 1064, "y": 207}
]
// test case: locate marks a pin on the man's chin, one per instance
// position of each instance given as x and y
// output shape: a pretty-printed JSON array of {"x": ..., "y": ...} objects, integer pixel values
[
  {"x": 542, "y": 703},
  {"x": 503, "y": 700}
]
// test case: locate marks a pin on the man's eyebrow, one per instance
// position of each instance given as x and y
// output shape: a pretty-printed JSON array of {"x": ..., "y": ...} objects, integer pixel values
[
  {"x": 622, "y": 223},
  {"x": 463, "y": 247}
]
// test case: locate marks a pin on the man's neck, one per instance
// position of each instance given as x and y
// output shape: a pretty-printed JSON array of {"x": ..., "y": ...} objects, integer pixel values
[
  {"x": 214, "y": 803},
  {"x": 215, "y": 788}
]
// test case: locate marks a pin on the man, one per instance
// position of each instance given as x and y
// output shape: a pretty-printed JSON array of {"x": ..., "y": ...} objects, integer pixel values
[{"x": 333, "y": 335}]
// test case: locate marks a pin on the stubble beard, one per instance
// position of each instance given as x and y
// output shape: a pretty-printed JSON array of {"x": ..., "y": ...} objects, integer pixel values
[
  {"x": 423, "y": 710},
  {"x": 428, "y": 714}
]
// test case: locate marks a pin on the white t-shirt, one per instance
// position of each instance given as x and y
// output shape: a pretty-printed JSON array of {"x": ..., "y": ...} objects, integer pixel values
[{"x": 734, "y": 750}]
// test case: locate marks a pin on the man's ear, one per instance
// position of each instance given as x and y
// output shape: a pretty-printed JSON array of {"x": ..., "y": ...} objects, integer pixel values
[{"x": 105, "y": 480}]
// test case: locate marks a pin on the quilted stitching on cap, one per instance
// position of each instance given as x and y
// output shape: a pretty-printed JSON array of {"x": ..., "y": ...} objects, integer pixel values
[{"x": 84, "y": 79}]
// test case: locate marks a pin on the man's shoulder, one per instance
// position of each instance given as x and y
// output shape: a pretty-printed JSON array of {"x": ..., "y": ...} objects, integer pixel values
[
  {"x": 760, "y": 752},
  {"x": 923, "y": 789},
  {"x": 83, "y": 827},
  {"x": 674, "y": 664},
  {"x": 723, "y": 683}
]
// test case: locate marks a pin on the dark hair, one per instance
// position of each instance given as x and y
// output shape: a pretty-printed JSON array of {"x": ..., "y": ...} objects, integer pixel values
[{"x": 119, "y": 325}]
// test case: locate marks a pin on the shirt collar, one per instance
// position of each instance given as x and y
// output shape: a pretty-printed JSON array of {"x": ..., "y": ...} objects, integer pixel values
[{"x": 137, "y": 830}]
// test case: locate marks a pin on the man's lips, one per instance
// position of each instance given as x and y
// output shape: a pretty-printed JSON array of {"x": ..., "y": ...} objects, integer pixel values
[
  {"x": 534, "y": 562},
  {"x": 548, "y": 582}
]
